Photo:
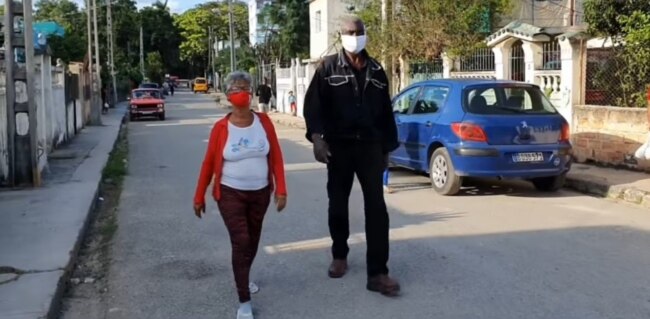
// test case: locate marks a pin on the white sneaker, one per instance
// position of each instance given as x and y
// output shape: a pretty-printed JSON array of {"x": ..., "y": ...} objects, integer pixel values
[
  {"x": 253, "y": 288},
  {"x": 244, "y": 315}
]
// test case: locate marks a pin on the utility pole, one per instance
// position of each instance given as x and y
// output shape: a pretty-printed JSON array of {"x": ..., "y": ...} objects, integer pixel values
[
  {"x": 109, "y": 25},
  {"x": 98, "y": 74},
  {"x": 95, "y": 108},
  {"x": 21, "y": 108},
  {"x": 209, "y": 67},
  {"x": 233, "y": 62},
  {"x": 141, "y": 53},
  {"x": 572, "y": 12}
]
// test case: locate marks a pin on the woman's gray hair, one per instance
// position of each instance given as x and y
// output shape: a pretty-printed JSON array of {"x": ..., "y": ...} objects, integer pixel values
[{"x": 238, "y": 76}]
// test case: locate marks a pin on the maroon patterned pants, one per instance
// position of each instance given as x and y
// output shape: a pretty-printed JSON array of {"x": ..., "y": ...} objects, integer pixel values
[{"x": 243, "y": 213}]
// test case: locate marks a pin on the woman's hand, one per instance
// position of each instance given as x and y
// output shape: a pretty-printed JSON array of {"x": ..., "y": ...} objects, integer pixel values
[
  {"x": 280, "y": 202},
  {"x": 199, "y": 209}
]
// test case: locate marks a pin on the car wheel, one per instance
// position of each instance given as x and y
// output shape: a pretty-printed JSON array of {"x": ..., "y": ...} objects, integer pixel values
[
  {"x": 549, "y": 184},
  {"x": 442, "y": 173},
  {"x": 162, "y": 116},
  {"x": 131, "y": 117}
]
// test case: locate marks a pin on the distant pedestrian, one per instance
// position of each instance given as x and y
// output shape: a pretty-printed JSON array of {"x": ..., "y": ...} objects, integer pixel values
[
  {"x": 245, "y": 161},
  {"x": 264, "y": 94},
  {"x": 387, "y": 188},
  {"x": 292, "y": 102},
  {"x": 350, "y": 120},
  {"x": 171, "y": 88}
]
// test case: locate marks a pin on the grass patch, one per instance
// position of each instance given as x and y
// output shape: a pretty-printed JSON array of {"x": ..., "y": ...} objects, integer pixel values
[{"x": 116, "y": 168}]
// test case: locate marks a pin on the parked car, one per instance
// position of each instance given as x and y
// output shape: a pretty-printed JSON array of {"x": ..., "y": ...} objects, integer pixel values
[
  {"x": 452, "y": 129},
  {"x": 200, "y": 85},
  {"x": 146, "y": 102}
]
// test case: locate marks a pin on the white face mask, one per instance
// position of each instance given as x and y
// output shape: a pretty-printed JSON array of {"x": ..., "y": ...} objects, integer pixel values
[{"x": 353, "y": 44}]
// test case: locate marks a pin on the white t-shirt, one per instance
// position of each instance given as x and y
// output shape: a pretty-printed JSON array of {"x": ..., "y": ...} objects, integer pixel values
[{"x": 246, "y": 165}]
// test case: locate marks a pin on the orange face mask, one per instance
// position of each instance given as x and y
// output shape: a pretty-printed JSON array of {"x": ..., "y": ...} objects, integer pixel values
[{"x": 240, "y": 99}]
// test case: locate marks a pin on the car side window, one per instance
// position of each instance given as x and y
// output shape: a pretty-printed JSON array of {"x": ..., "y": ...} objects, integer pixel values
[
  {"x": 431, "y": 100},
  {"x": 403, "y": 103}
]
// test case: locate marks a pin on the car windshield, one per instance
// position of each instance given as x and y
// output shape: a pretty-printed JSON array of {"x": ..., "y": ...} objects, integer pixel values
[
  {"x": 506, "y": 99},
  {"x": 149, "y": 86},
  {"x": 200, "y": 81},
  {"x": 146, "y": 94}
]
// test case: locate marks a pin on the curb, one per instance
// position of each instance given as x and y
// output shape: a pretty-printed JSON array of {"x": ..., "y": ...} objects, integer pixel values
[
  {"x": 629, "y": 194},
  {"x": 290, "y": 122},
  {"x": 62, "y": 285}
]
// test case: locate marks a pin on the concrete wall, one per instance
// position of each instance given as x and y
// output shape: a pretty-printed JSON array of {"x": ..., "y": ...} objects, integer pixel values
[
  {"x": 610, "y": 135},
  {"x": 321, "y": 41},
  {"x": 55, "y": 119}
]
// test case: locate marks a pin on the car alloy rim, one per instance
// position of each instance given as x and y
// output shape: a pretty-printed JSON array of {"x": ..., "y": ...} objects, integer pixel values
[{"x": 439, "y": 171}]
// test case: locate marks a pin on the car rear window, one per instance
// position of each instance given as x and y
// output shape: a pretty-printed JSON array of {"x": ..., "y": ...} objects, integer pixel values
[
  {"x": 507, "y": 100},
  {"x": 200, "y": 81},
  {"x": 149, "y": 86},
  {"x": 146, "y": 94}
]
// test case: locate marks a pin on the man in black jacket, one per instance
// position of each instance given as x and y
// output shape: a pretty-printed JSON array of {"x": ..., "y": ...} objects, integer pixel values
[
  {"x": 350, "y": 121},
  {"x": 264, "y": 93}
]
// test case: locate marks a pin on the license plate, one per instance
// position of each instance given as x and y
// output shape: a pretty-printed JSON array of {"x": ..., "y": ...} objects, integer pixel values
[
  {"x": 528, "y": 157},
  {"x": 147, "y": 112}
]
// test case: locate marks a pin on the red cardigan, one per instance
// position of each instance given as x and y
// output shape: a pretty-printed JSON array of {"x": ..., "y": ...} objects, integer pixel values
[{"x": 213, "y": 161}]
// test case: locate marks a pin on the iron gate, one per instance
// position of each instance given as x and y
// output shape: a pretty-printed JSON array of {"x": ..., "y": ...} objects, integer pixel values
[{"x": 517, "y": 64}]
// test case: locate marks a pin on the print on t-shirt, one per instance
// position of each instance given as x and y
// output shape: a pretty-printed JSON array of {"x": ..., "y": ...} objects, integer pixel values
[{"x": 245, "y": 143}]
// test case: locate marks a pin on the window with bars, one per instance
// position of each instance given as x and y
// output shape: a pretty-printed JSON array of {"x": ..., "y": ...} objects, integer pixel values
[
  {"x": 481, "y": 60},
  {"x": 551, "y": 55}
]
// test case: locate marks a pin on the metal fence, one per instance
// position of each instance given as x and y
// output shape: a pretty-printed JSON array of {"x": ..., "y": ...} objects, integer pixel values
[
  {"x": 551, "y": 55},
  {"x": 606, "y": 81},
  {"x": 482, "y": 59},
  {"x": 422, "y": 71}
]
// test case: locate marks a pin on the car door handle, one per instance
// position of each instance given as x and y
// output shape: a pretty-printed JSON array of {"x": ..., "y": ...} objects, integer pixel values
[{"x": 428, "y": 124}]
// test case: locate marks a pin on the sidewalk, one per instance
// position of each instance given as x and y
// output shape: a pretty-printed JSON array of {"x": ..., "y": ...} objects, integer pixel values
[
  {"x": 41, "y": 229},
  {"x": 625, "y": 185}
]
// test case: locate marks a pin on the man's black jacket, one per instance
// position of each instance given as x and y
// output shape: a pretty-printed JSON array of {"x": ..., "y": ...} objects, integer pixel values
[{"x": 339, "y": 108}]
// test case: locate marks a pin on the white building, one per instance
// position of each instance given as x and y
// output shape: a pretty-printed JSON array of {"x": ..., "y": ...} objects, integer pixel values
[
  {"x": 324, "y": 16},
  {"x": 256, "y": 28}
]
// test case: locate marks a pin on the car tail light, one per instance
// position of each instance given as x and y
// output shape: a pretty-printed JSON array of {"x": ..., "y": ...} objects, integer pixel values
[
  {"x": 565, "y": 135},
  {"x": 469, "y": 132}
]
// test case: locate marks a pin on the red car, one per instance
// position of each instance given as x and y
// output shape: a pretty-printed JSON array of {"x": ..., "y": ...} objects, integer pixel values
[{"x": 146, "y": 102}]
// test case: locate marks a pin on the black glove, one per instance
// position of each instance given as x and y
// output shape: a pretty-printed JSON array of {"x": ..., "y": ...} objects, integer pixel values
[{"x": 321, "y": 149}]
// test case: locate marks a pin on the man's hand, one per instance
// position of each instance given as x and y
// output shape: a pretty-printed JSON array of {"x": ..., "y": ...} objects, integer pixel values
[
  {"x": 280, "y": 202},
  {"x": 199, "y": 209},
  {"x": 321, "y": 149}
]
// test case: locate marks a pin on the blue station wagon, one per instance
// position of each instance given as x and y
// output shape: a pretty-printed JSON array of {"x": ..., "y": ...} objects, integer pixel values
[{"x": 456, "y": 128}]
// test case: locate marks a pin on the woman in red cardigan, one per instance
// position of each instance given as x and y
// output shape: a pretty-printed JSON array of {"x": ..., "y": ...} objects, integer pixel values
[{"x": 245, "y": 161}]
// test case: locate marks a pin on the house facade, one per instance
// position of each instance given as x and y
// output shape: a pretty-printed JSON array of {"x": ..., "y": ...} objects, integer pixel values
[
  {"x": 324, "y": 16},
  {"x": 256, "y": 27}
]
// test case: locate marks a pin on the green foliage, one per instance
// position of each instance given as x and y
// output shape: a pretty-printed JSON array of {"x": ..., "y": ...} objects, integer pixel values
[
  {"x": 71, "y": 47},
  {"x": 287, "y": 23},
  {"x": 194, "y": 26},
  {"x": 161, "y": 35},
  {"x": 627, "y": 23},
  {"x": 155, "y": 68},
  {"x": 422, "y": 29}
]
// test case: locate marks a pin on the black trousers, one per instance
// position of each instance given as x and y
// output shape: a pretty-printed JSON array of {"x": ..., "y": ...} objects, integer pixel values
[{"x": 366, "y": 161}]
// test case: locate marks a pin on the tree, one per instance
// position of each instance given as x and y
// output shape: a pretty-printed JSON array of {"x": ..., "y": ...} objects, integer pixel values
[
  {"x": 627, "y": 24},
  {"x": 161, "y": 35},
  {"x": 422, "y": 29},
  {"x": 287, "y": 24},
  {"x": 72, "y": 46},
  {"x": 195, "y": 23},
  {"x": 155, "y": 68}
]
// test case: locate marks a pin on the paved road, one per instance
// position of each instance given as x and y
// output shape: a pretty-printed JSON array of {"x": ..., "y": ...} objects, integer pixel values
[{"x": 499, "y": 250}]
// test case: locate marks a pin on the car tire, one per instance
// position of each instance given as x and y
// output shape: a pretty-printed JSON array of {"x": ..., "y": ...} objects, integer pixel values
[
  {"x": 549, "y": 184},
  {"x": 161, "y": 116},
  {"x": 131, "y": 118},
  {"x": 442, "y": 173}
]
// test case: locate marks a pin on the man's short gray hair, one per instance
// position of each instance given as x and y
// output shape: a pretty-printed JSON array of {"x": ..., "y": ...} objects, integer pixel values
[
  {"x": 238, "y": 76},
  {"x": 349, "y": 19}
]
